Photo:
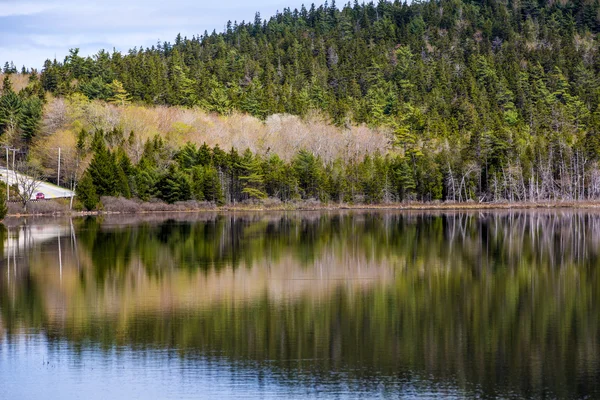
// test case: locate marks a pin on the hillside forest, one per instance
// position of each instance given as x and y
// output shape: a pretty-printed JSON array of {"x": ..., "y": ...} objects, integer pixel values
[{"x": 450, "y": 100}]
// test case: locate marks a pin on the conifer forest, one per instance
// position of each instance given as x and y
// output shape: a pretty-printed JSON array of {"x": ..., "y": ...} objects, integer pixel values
[{"x": 449, "y": 100}]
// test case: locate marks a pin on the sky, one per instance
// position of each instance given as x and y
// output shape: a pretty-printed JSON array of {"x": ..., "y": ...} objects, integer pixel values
[{"x": 32, "y": 31}]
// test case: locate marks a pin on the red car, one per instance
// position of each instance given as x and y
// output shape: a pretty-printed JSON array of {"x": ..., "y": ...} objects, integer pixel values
[{"x": 40, "y": 196}]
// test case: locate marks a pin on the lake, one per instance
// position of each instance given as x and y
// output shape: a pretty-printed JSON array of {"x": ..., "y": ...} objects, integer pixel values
[{"x": 348, "y": 304}]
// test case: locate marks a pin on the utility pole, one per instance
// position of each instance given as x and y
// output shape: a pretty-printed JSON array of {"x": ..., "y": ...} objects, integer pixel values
[
  {"x": 13, "y": 170},
  {"x": 14, "y": 152},
  {"x": 7, "y": 185},
  {"x": 58, "y": 174},
  {"x": 58, "y": 169}
]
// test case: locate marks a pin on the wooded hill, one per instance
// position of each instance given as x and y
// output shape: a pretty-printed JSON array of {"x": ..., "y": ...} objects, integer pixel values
[{"x": 485, "y": 100}]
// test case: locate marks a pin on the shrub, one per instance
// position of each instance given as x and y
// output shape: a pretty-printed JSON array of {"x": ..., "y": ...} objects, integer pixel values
[{"x": 3, "y": 206}]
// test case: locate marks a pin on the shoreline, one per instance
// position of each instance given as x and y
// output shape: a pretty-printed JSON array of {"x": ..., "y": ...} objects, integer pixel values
[{"x": 313, "y": 206}]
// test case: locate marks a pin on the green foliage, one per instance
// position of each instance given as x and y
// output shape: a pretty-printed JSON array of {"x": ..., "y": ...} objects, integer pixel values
[
  {"x": 188, "y": 156},
  {"x": 310, "y": 174},
  {"x": 118, "y": 95},
  {"x": 405, "y": 182},
  {"x": 211, "y": 186},
  {"x": 109, "y": 170},
  {"x": 372, "y": 175},
  {"x": 96, "y": 89},
  {"x": 251, "y": 176},
  {"x": 146, "y": 177},
  {"x": 124, "y": 171},
  {"x": 86, "y": 192},
  {"x": 3, "y": 205},
  {"x": 484, "y": 101},
  {"x": 21, "y": 113},
  {"x": 366, "y": 62},
  {"x": 10, "y": 111},
  {"x": 279, "y": 179},
  {"x": 31, "y": 116},
  {"x": 102, "y": 169},
  {"x": 174, "y": 186}
]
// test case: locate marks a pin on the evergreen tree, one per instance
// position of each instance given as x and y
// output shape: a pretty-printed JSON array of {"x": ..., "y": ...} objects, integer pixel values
[
  {"x": 102, "y": 169},
  {"x": 10, "y": 112},
  {"x": 3, "y": 204},
  {"x": 146, "y": 177},
  {"x": 251, "y": 176},
  {"x": 309, "y": 172},
  {"x": 96, "y": 88},
  {"x": 211, "y": 186},
  {"x": 197, "y": 183},
  {"x": 174, "y": 186},
  {"x": 123, "y": 173},
  {"x": 118, "y": 95},
  {"x": 188, "y": 156},
  {"x": 7, "y": 84},
  {"x": 405, "y": 179},
  {"x": 279, "y": 179},
  {"x": 86, "y": 192},
  {"x": 505, "y": 106},
  {"x": 30, "y": 119}
]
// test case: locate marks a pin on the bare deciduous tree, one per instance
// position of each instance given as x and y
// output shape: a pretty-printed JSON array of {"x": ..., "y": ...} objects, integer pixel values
[{"x": 28, "y": 179}]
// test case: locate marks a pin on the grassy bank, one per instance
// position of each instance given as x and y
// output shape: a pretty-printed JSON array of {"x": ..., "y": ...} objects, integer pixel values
[{"x": 111, "y": 205}]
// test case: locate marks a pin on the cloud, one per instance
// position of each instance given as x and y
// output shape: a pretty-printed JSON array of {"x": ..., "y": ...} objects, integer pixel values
[{"x": 8, "y": 9}]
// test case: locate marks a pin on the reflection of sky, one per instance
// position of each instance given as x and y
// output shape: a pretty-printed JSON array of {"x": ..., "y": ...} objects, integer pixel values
[
  {"x": 32, "y": 31},
  {"x": 23, "y": 237},
  {"x": 33, "y": 368}
]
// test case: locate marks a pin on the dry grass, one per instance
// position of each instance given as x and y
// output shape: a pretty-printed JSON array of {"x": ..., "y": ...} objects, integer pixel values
[
  {"x": 133, "y": 206},
  {"x": 119, "y": 205},
  {"x": 46, "y": 207}
]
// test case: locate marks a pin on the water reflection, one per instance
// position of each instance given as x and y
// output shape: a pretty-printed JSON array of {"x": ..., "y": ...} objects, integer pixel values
[{"x": 487, "y": 304}]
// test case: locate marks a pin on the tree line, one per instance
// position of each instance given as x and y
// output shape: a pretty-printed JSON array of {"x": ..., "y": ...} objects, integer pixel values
[
  {"x": 483, "y": 100},
  {"x": 230, "y": 176}
]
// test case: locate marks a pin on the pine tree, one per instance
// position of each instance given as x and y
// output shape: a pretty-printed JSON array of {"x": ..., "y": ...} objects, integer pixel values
[
  {"x": 86, "y": 192},
  {"x": 197, "y": 182},
  {"x": 405, "y": 179},
  {"x": 233, "y": 172},
  {"x": 10, "y": 112},
  {"x": 96, "y": 89},
  {"x": 309, "y": 172},
  {"x": 118, "y": 94},
  {"x": 187, "y": 156},
  {"x": 204, "y": 156},
  {"x": 211, "y": 186},
  {"x": 251, "y": 176},
  {"x": 337, "y": 181},
  {"x": 31, "y": 117},
  {"x": 102, "y": 169},
  {"x": 123, "y": 188},
  {"x": 146, "y": 177},
  {"x": 7, "y": 85},
  {"x": 174, "y": 186},
  {"x": 279, "y": 179}
]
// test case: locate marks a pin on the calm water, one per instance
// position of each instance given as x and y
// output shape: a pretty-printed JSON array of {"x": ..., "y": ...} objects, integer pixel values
[{"x": 302, "y": 305}]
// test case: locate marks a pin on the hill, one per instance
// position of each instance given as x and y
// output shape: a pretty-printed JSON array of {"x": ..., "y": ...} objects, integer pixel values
[{"x": 483, "y": 100}]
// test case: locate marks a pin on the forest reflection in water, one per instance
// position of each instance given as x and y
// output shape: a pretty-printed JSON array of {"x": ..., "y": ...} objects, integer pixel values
[{"x": 491, "y": 303}]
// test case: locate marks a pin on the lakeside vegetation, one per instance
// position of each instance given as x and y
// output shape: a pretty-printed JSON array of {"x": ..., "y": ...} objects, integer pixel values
[{"x": 375, "y": 103}]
